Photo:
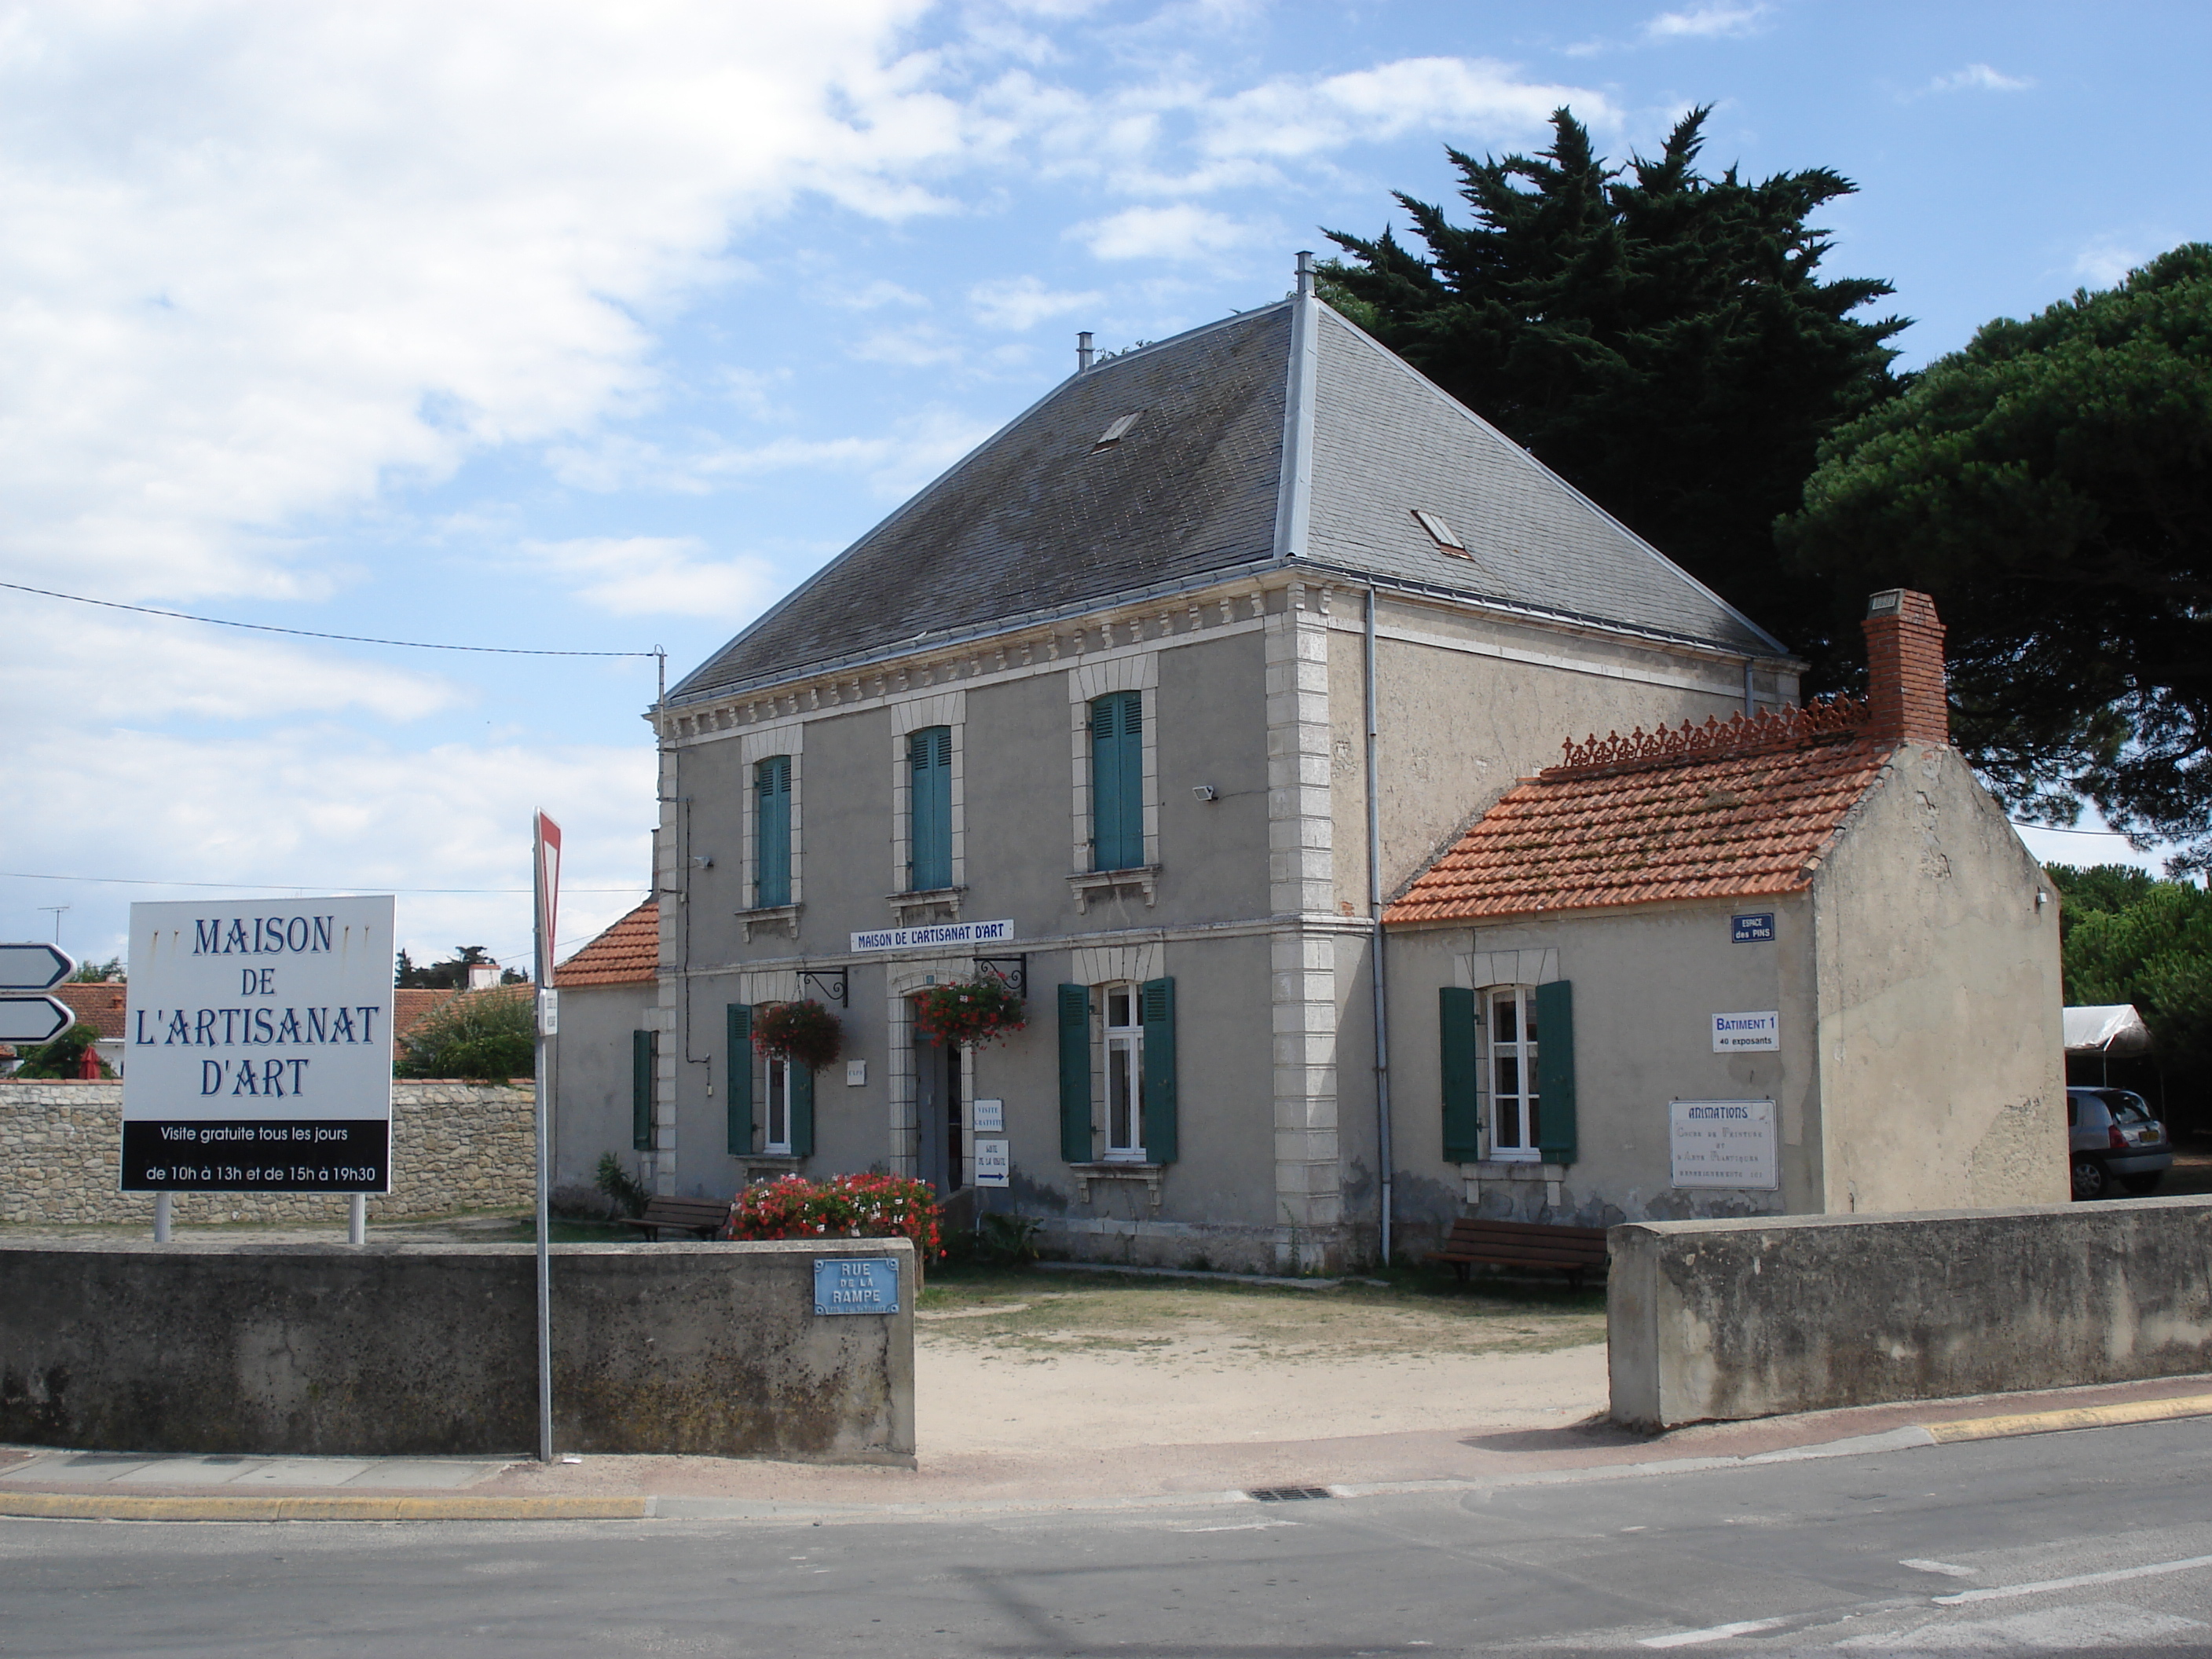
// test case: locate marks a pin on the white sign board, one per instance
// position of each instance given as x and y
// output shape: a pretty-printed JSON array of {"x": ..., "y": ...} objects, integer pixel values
[
  {"x": 990, "y": 1117},
  {"x": 259, "y": 1047},
  {"x": 1723, "y": 1142},
  {"x": 992, "y": 1163},
  {"x": 1754, "y": 1031},
  {"x": 937, "y": 932}
]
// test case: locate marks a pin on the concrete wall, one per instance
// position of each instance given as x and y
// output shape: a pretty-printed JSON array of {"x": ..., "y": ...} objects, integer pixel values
[
  {"x": 394, "y": 1350},
  {"x": 1941, "y": 1060},
  {"x": 454, "y": 1146},
  {"x": 1710, "y": 1320}
]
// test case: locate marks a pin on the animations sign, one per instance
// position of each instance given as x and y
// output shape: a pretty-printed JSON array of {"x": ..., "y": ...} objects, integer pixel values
[{"x": 258, "y": 1051}]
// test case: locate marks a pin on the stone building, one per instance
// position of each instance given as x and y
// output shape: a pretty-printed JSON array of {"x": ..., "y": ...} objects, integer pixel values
[
  {"x": 1144, "y": 706},
  {"x": 1796, "y": 964}
]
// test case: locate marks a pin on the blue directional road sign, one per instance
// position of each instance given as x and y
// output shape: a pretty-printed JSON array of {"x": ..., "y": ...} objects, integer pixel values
[{"x": 33, "y": 968}]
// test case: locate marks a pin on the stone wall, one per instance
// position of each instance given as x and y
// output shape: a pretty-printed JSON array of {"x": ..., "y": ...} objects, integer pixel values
[
  {"x": 424, "y": 1349},
  {"x": 454, "y": 1146},
  {"x": 1718, "y": 1320}
]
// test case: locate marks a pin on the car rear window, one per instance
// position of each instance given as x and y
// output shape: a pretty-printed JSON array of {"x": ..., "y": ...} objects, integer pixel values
[{"x": 2125, "y": 1108}]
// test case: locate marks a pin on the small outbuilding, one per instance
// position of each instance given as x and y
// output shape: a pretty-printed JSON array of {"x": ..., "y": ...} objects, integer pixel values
[
  {"x": 1796, "y": 964},
  {"x": 607, "y": 1057}
]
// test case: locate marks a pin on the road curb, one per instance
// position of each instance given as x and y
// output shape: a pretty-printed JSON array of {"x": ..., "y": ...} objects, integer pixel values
[
  {"x": 109, "y": 1506},
  {"x": 2079, "y": 1417}
]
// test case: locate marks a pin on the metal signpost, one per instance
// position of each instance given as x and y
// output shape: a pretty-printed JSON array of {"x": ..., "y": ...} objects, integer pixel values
[
  {"x": 33, "y": 968},
  {"x": 259, "y": 1045},
  {"x": 545, "y": 883}
]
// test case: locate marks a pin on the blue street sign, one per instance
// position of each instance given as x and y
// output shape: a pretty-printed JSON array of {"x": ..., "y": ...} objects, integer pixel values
[
  {"x": 1755, "y": 930},
  {"x": 856, "y": 1285},
  {"x": 34, "y": 967}
]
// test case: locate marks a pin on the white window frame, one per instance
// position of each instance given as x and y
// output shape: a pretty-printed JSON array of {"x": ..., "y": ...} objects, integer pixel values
[
  {"x": 1122, "y": 1057},
  {"x": 1516, "y": 1109},
  {"x": 776, "y": 1100}
]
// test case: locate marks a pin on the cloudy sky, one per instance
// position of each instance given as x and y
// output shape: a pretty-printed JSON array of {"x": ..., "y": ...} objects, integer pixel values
[{"x": 594, "y": 327}]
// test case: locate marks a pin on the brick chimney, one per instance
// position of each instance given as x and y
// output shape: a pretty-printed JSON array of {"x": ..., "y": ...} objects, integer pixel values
[{"x": 1904, "y": 669}]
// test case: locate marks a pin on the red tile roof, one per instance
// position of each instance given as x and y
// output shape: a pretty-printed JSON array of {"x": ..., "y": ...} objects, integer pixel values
[
  {"x": 101, "y": 1005},
  {"x": 628, "y": 953},
  {"x": 1718, "y": 812}
]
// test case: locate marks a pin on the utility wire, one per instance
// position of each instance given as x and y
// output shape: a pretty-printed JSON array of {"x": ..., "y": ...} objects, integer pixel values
[
  {"x": 288, "y": 886},
  {"x": 311, "y": 633}
]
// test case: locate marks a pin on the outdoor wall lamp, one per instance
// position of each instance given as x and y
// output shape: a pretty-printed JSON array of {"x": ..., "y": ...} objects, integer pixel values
[{"x": 1206, "y": 792}]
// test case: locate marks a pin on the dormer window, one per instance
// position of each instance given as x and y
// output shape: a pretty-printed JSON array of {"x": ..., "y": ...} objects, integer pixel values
[
  {"x": 1446, "y": 538},
  {"x": 1114, "y": 434}
]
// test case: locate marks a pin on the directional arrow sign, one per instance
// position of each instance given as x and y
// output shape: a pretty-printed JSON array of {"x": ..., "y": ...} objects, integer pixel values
[
  {"x": 34, "y": 1019},
  {"x": 34, "y": 967}
]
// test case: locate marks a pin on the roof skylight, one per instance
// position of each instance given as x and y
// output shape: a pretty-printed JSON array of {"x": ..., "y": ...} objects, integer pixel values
[
  {"x": 1446, "y": 538},
  {"x": 1114, "y": 434}
]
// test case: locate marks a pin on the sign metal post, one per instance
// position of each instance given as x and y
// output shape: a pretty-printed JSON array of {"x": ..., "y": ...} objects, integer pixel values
[{"x": 545, "y": 866}]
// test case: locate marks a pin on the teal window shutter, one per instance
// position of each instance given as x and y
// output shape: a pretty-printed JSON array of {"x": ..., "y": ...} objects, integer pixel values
[
  {"x": 1117, "y": 782},
  {"x": 802, "y": 1109},
  {"x": 929, "y": 808},
  {"x": 772, "y": 831},
  {"x": 1159, "y": 1017},
  {"x": 641, "y": 1090},
  {"x": 738, "y": 1082},
  {"x": 1462, "y": 1067},
  {"x": 1555, "y": 1072},
  {"x": 1075, "y": 1073}
]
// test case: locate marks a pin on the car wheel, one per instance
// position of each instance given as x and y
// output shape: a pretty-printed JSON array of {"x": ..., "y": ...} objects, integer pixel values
[
  {"x": 2143, "y": 1183},
  {"x": 2090, "y": 1180}
]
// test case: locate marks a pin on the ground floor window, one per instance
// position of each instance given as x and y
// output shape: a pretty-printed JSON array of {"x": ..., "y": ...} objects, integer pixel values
[
  {"x": 779, "y": 1107},
  {"x": 1125, "y": 1074},
  {"x": 1514, "y": 1128}
]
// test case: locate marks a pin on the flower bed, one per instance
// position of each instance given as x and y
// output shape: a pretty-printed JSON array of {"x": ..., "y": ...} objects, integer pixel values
[{"x": 843, "y": 1206}]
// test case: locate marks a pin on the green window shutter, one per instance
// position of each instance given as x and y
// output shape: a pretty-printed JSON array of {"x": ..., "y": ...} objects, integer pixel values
[
  {"x": 1075, "y": 1073},
  {"x": 772, "y": 831},
  {"x": 1555, "y": 1072},
  {"x": 641, "y": 1090},
  {"x": 929, "y": 808},
  {"x": 1462, "y": 1067},
  {"x": 1117, "y": 782},
  {"x": 802, "y": 1109},
  {"x": 737, "y": 1082},
  {"x": 1159, "y": 1017}
]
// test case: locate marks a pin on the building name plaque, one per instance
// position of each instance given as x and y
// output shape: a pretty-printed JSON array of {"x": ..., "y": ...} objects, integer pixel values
[
  {"x": 939, "y": 932},
  {"x": 1754, "y": 1031}
]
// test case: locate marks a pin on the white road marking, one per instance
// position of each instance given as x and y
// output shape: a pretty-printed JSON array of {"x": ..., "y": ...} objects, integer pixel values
[
  {"x": 2001, "y": 1592},
  {"x": 1690, "y": 1639},
  {"x": 1242, "y": 1526},
  {"x": 1943, "y": 1567},
  {"x": 2051, "y": 1630}
]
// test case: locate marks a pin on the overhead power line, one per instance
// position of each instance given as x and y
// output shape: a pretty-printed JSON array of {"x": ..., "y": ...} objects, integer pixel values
[
  {"x": 312, "y": 634},
  {"x": 291, "y": 886}
]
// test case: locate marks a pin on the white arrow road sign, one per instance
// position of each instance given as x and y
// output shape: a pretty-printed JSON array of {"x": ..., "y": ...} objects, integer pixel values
[
  {"x": 34, "y": 1019},
  {"x": 34, "y": 967}
]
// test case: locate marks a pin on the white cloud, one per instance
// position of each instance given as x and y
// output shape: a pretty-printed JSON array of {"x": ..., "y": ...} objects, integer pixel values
[
  {"x": 1714, "y": 19},
  {"x": 2106, "y": 262},
  {"x": 668, "y": 575},
  {"x": 1978, "y": 77},
  {"x": 1292, "y": 118},
  {"x": 259, "y": 262},
  {"x": 1020, "y": 303},
  {"x": 1179, "y": 231}
]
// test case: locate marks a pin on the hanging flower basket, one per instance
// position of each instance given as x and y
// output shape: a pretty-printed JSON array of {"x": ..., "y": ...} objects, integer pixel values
[
  {"x": 970, "y": 1016},
  {"x": 805, "y": 1033}
]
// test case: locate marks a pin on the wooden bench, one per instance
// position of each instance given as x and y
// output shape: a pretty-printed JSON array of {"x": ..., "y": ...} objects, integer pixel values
[
  {"x": 702, "y": 1217},
  {"x": 1573, "y": 1250}
]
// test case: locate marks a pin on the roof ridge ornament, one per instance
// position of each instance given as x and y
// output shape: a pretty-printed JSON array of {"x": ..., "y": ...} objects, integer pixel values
[{"x": 1770, "y": 729}]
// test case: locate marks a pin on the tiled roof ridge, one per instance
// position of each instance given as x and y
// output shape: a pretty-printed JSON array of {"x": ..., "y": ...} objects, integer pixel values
[{"x": 1769, "y": 730}]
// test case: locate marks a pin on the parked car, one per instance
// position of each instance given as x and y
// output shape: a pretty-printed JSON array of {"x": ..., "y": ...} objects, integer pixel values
[{"x": 2115, "y": 1142}]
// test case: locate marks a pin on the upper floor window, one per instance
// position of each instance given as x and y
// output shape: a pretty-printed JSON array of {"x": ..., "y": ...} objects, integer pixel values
[
  {"x": 929, "y": 808},
  {"x": 1117, "y": 780},
  {"x": 1514, "y": 1132},
  {"x": 772, "y": 831}
]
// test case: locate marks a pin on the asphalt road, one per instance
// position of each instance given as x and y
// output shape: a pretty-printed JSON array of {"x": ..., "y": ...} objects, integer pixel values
[{"x": 2099, "y": 1541}]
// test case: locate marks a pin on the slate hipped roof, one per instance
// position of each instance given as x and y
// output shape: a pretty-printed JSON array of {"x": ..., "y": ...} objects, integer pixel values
[{"x": 1277, "y": 437}]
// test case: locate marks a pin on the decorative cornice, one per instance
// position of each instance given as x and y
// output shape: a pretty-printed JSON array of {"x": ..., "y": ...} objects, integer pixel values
[{"x": 1769, "y": 730}]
